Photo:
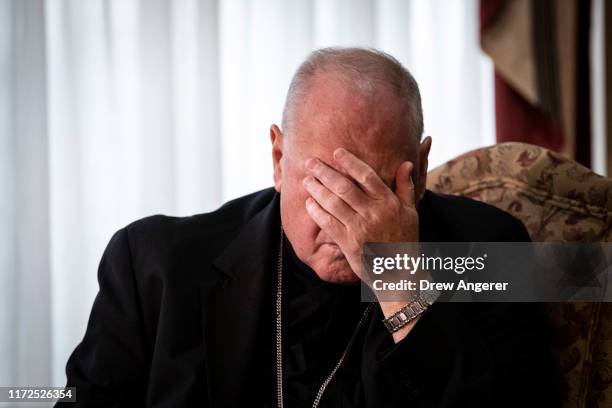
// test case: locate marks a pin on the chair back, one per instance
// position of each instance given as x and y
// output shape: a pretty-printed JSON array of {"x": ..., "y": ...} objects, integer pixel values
[{"x": 558, "y": 200}]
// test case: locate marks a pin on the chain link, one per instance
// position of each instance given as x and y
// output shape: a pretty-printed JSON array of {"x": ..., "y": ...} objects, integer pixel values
[{"x": 279, "y": 324}]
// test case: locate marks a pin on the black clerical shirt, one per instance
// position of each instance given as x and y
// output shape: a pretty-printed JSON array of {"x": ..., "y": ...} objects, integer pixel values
[{"x": 321, "y": 318}]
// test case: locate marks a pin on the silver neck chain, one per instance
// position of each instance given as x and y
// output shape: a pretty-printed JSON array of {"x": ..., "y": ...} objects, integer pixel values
[{"x": 279, "y": 336}]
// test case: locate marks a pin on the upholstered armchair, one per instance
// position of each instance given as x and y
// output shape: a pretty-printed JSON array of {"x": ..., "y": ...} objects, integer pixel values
[{"x": 558, "y": 200}]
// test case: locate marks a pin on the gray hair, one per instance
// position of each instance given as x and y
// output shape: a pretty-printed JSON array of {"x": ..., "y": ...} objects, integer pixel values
[{"x": 363, "y": 68}]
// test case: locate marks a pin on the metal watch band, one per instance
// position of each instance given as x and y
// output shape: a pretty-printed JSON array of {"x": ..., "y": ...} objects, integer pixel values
[{"x": 410, "y": 312}]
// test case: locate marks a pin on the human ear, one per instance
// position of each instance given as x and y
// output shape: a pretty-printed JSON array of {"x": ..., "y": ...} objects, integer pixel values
[
  {"x": 276, "y": 138},
  {"x": 424, "y": 150}
]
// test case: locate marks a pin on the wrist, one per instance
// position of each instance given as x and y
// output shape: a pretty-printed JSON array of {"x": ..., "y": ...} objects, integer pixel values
[
  {"x": 388, "y": 310},
  {"x": 400, "y": 317}
]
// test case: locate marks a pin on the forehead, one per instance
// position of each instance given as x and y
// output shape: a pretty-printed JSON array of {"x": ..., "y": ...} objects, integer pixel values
[{"x": 370, "y": 124}]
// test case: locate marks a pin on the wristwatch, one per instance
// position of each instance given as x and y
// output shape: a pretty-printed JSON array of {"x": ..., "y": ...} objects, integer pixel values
[{"x": 411, "y": 310}]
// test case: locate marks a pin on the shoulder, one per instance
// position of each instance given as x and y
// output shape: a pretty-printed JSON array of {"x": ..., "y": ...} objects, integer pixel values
[
  {"x": 162, "y": 238},
  {"x": 470, "y": 220},
  {"x": 225, "y": 219}
]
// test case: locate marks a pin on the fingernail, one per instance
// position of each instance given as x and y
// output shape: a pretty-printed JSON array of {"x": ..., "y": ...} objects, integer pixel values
[
  {"x": 309, "y": 203},
  {"x": 310, "y": 163},
  {"x": 339, "y": 153}
]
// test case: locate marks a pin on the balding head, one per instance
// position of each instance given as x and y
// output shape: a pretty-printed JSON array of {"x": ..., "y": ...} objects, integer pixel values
[
  {"x": 362, "y": 101},
  {"x": 362, "y": 71}
]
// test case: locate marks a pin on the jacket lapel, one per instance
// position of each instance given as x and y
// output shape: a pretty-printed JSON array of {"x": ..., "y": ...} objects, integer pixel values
[{"x": 238, "y": 314}]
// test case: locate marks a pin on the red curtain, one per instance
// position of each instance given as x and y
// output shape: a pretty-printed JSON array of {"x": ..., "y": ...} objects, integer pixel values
[{"x": 540, "y": 49}]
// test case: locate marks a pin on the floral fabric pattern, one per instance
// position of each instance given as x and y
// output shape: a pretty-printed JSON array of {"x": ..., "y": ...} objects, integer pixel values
[{"x": 558, "y": 200}]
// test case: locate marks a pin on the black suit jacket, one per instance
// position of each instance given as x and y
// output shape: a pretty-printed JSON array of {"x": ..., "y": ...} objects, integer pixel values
[{"x": 184, "y": 318}]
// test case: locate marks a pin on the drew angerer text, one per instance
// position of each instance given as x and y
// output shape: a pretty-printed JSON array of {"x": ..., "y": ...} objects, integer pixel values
[
  {"x": 406, "y": 285},
  {"x": 412, "y": 264}
]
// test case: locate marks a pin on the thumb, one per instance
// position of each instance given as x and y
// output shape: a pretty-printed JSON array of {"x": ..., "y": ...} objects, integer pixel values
[{"x": 404, "y": 187}]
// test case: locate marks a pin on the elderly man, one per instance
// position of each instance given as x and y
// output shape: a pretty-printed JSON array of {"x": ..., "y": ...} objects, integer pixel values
[{"x": 258, "y": 303}]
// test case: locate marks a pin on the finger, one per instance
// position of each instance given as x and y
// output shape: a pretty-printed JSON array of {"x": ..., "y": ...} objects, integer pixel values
[
  {"x": 325, "y": 220},
  {"x": 367, "y": 178},
  {"x": 329, "y": 201},
  {"x": 404, "y": 187},
  {"x": 339, "y": 184}
]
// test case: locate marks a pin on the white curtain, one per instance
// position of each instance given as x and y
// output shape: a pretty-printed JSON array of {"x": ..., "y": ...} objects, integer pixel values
[{"x": 111, "y": 110}]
